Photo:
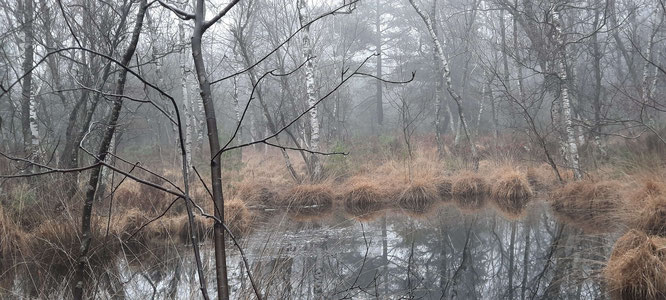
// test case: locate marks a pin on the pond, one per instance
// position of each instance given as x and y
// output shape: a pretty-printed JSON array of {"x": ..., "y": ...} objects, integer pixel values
[{"x": 433, "y": 253}]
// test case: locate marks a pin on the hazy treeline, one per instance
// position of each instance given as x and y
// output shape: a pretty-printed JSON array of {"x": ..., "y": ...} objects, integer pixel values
[{"x": 93, "y": 89}]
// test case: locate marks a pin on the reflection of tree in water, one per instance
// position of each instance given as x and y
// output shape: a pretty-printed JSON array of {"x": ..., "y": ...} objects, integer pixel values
[{"x": 442, "y": 255}]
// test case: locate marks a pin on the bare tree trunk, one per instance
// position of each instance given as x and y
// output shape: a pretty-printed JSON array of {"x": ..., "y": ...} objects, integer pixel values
[
  {"x": 185, "y": 91},
  {"x": 34, "y": 128},
  {"x": 27, "y": 99},
  {"x": 449, "y": 86},
  {"x": 620, "y": 45},
  {"x": 516, "y": 49},
  {"x": 493, "y": 111},
  {"x": 440, "y": 101},
  {"x": 478, "y": 117},
  {"x": 304, "y": 17},
  {"x": 439, "y": 139},
  {"x": 505, "y": 61},
  {"x": 269, "y": 120},
  {"x": 86, "y": 213},
  {"x": 567, "y": 115},
  {"x": 378, "y": 49},
  {"x": 214, "y": 145},
  {"x": 237, "y": 111}
]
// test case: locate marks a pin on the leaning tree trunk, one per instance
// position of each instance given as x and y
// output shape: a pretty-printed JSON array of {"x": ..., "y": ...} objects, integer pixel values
[
  {"x": 439, "y": 97},
  {"x": 86, "y": 239},
  {"x": 304, "y": 16},
  {"x": 439, "y": 49},
  {"x": 272, "y": 126}
]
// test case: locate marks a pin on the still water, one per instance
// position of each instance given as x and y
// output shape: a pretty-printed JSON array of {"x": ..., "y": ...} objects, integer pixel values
[{"x": 434, "y": 253}]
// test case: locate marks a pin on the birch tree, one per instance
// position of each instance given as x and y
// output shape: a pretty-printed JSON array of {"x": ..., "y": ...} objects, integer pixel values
[
  {"x": 28, "y": 113},
  {"x": 304, "y": 17},
  {"x": 187, "y": 110},
  {"x": 565, "y": 99},
  {"x": 439, "y": 50}
]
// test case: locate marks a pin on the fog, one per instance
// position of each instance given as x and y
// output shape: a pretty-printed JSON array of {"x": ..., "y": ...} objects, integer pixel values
[{"x": 356, "y": 149}]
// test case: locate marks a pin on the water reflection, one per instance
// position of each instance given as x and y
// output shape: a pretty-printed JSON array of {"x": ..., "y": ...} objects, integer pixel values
[{"x": 432, "y": 252}]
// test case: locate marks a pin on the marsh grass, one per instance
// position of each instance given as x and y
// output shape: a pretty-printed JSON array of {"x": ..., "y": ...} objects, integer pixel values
[
  {"x": 363, "y": 196},
  {"x": 645, "y": 208},
  {"x": 636, "y": 268},
  {"x": 511, "y": 193},
  {"x": 469, "y": 191},
  {"x": 308, "y": 199},
  {"x": 593, "y": 206},
  {"x": 418, "y": 198}
]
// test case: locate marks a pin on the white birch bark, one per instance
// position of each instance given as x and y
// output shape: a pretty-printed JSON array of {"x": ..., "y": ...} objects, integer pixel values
[
  {"x": 237, "y": 110},
  {"x": 447, "y": 79},
  {"x": 304, "y": 17},
  {"x": 200, "y": 122},
  {"x": 567, "y": 116},
  {"x": 34, "y": 128},
  {"x": 647, "y": 84},
  {"x": 186, "y": 99}
]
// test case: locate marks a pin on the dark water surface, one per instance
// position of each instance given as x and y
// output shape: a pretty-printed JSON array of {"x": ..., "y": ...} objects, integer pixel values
[
  {"x": 438, "y": 252},
  {"x": 397, "y": 254}
]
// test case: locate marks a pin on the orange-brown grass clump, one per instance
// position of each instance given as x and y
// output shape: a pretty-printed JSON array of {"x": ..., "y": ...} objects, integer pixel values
[
  {"x": 444, "y": 188},
  {"x": 258, "y": 192},
  {"x": 636, "y": 268},
  {"x": 166, "y": 229},
  {"x": 646, "y": 209},
  {"x": 236, "y": 216},
  {"x": 362, "y": 197},
  {"x": 649, "y": 187},
  {"x": 132, "y": 194},
  {"x": 470, "y": 191},
  {"x": 541, "y": 177},
  {"x": 593, "y": 206},
  {"x": 13, "y": 240},
  {"x": 56, "y": 245},
  {"x": 511, "y": 192},
  {"x": 128, "y": 224},
  {"x": 202, "y": 225},
  {"x": 308, "y": 199},
  {"x": 419, "y": 197}
]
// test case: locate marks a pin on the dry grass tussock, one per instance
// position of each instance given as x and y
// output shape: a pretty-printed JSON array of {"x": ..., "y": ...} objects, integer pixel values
[
  {"x": 511, "y": 193},
  {"x": 258, "y": 193},
  {"x": 541, "y": 177},
  {"x": 636, "y": 268},
  {"x": 419, "y": 197},
  {"x": 131, "y": 194},
  {"x": 236, "y": 216},
  {"x": 55, "y": 246},
  {"x": 469, "y": 190},
  {"x": 309, "y": 198},
  {"x": 646, "y": 208},
  {"x": 593, "y": 206},
  {"x": 444, "y": 188},
  {"x": 13, "y": 240},
  {"x": 363, "y": 196}
]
